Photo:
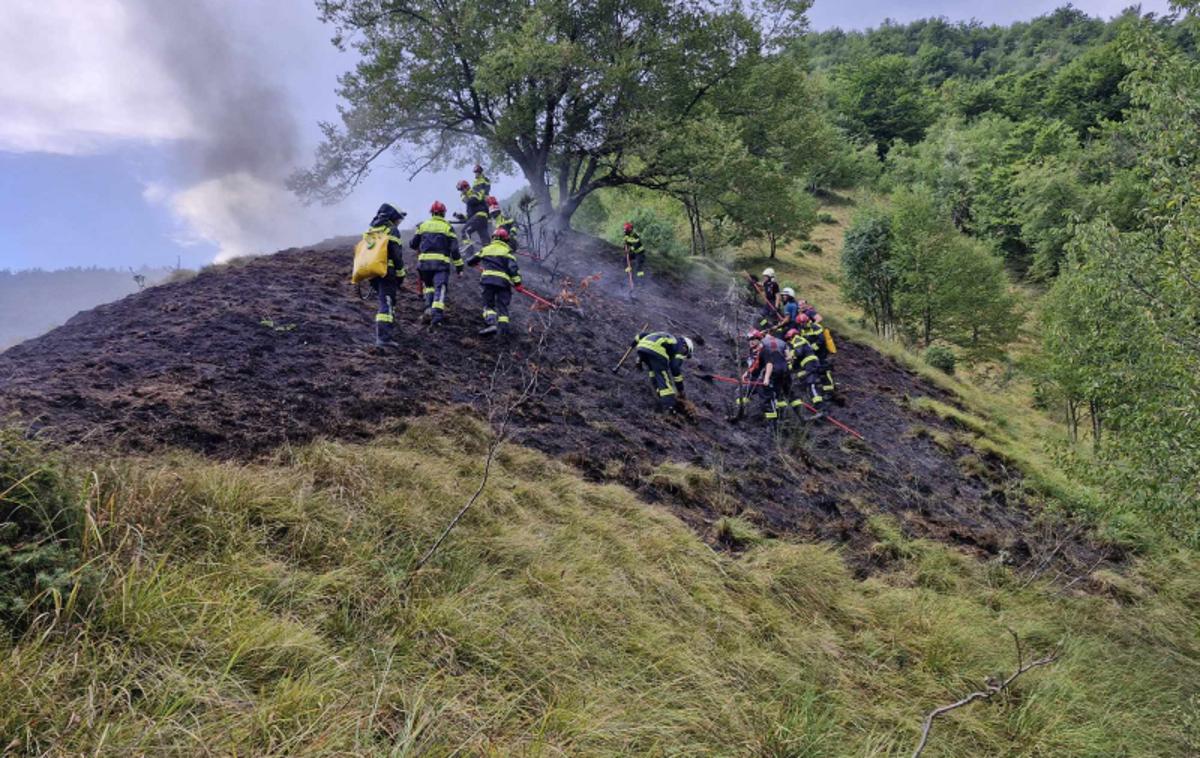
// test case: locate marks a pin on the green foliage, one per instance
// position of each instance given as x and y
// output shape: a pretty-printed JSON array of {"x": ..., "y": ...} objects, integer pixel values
[
  {"x": 949, "y": 286},
  {"x": 768, "y": 206},
  {"x": 940, "y": 357},
  {"x": 883, "y": 100},
  {"x": 1122, "y": 319},
  {"x": 870, "y": 277},
  {"x": 578, "y": 97},
  {"x": 41, "y": 529}
]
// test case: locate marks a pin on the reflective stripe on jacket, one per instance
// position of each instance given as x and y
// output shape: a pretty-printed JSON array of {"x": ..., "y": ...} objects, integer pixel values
[{"x": 498, "y": 264}]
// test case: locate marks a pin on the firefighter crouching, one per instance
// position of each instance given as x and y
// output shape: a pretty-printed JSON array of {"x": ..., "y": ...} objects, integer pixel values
[
  {"x": 662, "y": 355},
  {"x": 769, "y": 366}
]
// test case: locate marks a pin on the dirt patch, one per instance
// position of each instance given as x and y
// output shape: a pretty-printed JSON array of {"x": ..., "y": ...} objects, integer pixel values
[{"x": 277, "y": 350}]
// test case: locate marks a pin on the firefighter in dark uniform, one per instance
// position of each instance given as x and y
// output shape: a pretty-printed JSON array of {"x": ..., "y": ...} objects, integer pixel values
[
  {"x": 635, "y": 251},
  {"x": 662, "y": 355},
  {"x": 814, "y": 333},
  {"x": 387, "y": 287},
  {"x": 475, "y": 231},
  {"x": 500, "y": 221},
  {"x": 481, "y": 185},
  {"x": 808, "y": 373},
  {"x": 769, "y": 313},
  {"x": 498, "y": 274},
  {"x": 769, "y": 364},
  {"x": 437, "y": 250}
]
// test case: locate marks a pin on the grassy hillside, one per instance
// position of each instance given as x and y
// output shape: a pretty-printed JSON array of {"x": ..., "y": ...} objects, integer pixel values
[{"x": 265, "y": 609}]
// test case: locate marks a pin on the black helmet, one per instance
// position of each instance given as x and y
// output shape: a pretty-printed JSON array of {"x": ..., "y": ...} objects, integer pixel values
[{"x": 387, "y": 214}]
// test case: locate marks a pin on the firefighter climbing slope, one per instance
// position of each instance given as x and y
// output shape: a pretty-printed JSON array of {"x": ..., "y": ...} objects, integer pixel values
[
  {"x": 377, "y": 259},
  {"x": 769, "y": 292},
  {"x": 662, "y": 355},
  {"x": 806, "y": 367},
  {"x": 635, "y": 253},
  {"x": 501, "y": 221},
  {"x": 498, "y": 274},
  {"x": 475, "y": 231},
  {"x": 437, "y": 250}
]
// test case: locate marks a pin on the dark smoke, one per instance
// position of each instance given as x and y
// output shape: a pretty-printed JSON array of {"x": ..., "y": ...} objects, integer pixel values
[{"x": 244, "y": 120}]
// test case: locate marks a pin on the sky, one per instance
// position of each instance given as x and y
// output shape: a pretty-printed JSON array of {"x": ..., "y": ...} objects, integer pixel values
[{"x": 163, "y": 138}]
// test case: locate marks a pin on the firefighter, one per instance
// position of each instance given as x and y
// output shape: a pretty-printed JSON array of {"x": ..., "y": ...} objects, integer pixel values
[
  {"x": 500, "y": 221},
  {"x": 788, "y": 308},
  {"x": 769, "y": 358},
  {"x": 387, "y": 287},
  {"x": 476, "y": 227},
  {"x": 481, "y": 185},
  {"x": 437, "y": 249},
  {"x": 769, "y": 313},
  {"x": 820, "y": 339},
  {"x": 807, "y": 369},
  {"x": 498, "y": 274},
  {"x": 635, "y": 251},
  {"x": 662, "y": 355}
]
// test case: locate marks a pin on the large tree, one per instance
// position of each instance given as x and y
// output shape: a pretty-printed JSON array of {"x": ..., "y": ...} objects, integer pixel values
[{"x": 577, "y": 95}]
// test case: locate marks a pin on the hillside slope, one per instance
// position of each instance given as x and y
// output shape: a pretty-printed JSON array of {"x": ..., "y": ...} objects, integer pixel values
[
  {"x": 270, "y": 608},
  {"x": 275, "y": 350}
]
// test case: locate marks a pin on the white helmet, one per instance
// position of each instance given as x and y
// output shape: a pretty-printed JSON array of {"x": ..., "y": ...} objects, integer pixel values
[
  {"x": 691, "y": 347},
  {"x": 769, "y": 272},
  {"x": 789, "y": 291}
]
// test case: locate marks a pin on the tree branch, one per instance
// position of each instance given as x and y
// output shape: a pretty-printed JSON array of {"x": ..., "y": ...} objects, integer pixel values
[
  {"x": 991, "y": 688},
  {"x": 529, "y": 387}
]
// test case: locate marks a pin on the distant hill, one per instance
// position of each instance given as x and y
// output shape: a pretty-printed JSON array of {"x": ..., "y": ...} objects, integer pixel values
[{"x": 33, "y": 302}]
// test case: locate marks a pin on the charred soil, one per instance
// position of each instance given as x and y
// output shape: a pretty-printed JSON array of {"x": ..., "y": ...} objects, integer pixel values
[{"x": 279, "y": 349}]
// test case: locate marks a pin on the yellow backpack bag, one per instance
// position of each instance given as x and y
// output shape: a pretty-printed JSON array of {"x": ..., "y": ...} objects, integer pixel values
[
  {"x": 829, "y": 345},
  {"x": 371, "y": 255}
]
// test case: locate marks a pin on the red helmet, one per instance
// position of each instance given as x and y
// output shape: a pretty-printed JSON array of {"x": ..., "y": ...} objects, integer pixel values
[
  {"x": 790, "y": 333},
  {"x": 802, "y": 318},
  {"x": 492, "y": 201},
  {"x": 478, "y": 169},
  {"x": 500, "y": 234},
  {"x": 628, "y": 227},
  {"x": 438, "y": 208},
  {"x": 753, "y": 335},
  {"x": 463, "y": 185}
]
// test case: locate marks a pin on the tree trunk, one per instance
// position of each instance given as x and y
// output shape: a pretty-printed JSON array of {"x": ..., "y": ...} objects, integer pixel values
[
  {"x": 1094, "y": 410},
  {"x": 1073, "y": 419},
  {"x": 771, "y": 239}
]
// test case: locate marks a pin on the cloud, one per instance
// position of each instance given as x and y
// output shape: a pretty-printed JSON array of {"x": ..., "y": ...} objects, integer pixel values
[
  {"x": 196, "y": 79},
  {"x": 77, "y": 80}
]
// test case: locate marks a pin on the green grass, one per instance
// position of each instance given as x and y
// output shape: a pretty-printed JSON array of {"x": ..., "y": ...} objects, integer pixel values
[{"x": 263, "y": 610}]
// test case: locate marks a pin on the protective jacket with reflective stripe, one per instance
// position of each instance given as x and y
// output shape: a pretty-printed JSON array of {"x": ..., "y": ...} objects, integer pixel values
[
  {"x": 634, "y": 242},
  {"x": 435, "y": 241},
  {"x": 476, "y": 203},
  {"x": 668, "y": 347},
  {"x": 498, "y": 264}
]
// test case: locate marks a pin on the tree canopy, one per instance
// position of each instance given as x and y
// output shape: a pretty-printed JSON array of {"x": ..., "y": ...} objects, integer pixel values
[{"x": 579, "y": 96}]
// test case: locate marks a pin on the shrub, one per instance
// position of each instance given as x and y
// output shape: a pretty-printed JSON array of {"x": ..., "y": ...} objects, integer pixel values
[
  {"x": 40, "y": 531},
  {"x": 811, "y": 247},
  {"x": 940, "y": 357},
  {"x": 826, "y": 218}
]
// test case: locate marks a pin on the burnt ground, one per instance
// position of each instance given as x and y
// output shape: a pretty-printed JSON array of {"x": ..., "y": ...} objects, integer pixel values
[{"x": 274, "y": 350}]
